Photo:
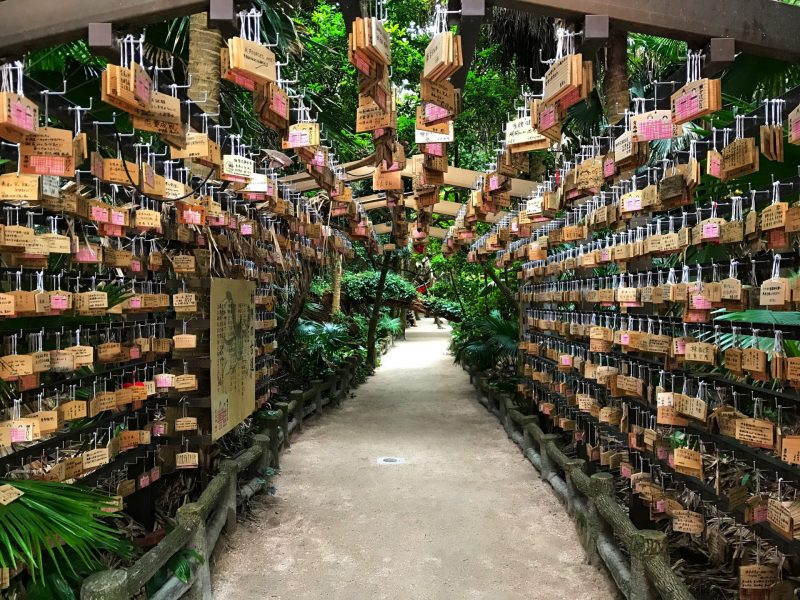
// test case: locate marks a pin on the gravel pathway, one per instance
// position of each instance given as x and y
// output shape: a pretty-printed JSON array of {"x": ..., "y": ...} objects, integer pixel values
[{"x": 464, "y": 516}]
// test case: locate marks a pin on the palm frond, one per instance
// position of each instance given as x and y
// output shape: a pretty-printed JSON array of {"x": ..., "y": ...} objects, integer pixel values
[
  {"x": 762, "y": 317},
  {"x": 51, "y": 518}
]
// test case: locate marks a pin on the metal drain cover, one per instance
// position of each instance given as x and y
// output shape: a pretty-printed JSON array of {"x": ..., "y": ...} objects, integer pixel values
[{"x": 391, "y": 460}]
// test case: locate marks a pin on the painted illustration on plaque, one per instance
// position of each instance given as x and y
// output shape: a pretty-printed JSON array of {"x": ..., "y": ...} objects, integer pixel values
[{"x": 232, "y": 353}]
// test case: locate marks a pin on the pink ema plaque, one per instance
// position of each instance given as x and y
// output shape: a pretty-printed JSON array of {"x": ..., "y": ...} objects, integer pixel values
[
  {"x": 652, "y": 129},
  {"x": 687, "y": 106}
]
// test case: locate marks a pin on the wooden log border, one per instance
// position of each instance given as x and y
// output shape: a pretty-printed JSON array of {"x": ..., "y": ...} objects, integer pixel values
[
  {"x": 200, "y": 523},
  {"x": 600, "y": 520}
]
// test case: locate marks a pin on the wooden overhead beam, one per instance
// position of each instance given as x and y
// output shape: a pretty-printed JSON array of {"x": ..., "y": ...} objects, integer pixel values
[
  {"x": 34, "y": 25},
  {"x": 371, "y": 198},
  {"x": 447, "y": 208},
  {"x": 437, "y": 232},
  {"x": 760, "y": 27},
  {"x": 375, "y": 205},
  {"x": 303, "y": 182},
  {"x": 465, "y": 178},
  {"x": 456, "y": 177}
]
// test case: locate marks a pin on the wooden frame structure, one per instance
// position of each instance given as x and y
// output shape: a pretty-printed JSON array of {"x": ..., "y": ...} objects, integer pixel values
[
  {"x": 760, "y": 27},
  {"x": 455, "y": 176}
]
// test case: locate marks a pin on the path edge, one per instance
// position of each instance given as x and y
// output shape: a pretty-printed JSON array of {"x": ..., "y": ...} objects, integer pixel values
[
  {"x": 200, "y": 524},
  {"x": 589, "y": 500}
]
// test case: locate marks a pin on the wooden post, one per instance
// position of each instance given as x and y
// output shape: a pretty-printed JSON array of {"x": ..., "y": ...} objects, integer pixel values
[
  {"x": 273, "y": 424},
  {"x": 347, "y": 379},
  {"x": 503, "y": 416},
  {"x": 336, "y": 387},
  {"x": 336, "y": 283},
  {"x": 263, "y": 441},
  {"x": 548, "y": 440},
  {"x": 284, "y": 408},
  {"x": 316, "y": 385},
  {"x": 106, "y": 585},
  {"x": 646, "y": 546},
  {"x": 228, "y": 469},
  {"x": 341, "y": 386},
  {"x": 298, "y": 396},
  {"x": 487, "y": 393},
  {"x": 602, "y": 485},
  {"x": 527, "y": 441},
  {"x": 511, "y": 424},
  {"x": 376, "y": 312},
  {"x": 191, "y": 517},
  {"x": 572, "y": 493},
  {"x": 478, "y": 392}
]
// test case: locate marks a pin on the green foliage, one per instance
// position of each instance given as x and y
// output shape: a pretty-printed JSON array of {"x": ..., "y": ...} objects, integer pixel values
[
  {"x": 60, "y": 58},
  {"x": 489, "y": 99},
  {"x": 767, "y": 317},
  {"x": 59, "y": 524},
  {"x": 488, "y": 342},
  {"x": 468, "y": 286},
  {"x": 389, "y": 326},
  {"x": 316, "y": 349},
  {"x": 59, "y": 586},
  {"x": 444, "y": 308},
  {"x": 651, "y": 58},
  {"x": 320, "y": 286},
  {"x": 180, "y": 565},
  {"x": 361, "y": 287}
]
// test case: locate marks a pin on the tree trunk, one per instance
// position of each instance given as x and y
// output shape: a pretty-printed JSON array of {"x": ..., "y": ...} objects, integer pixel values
[
  {"x": 204, "y": 68},
  {"x": 302, "y": 286},
  {"x": 455, "y": 289},
  {"x": 376, "y": 312},
  {"x": 617, "y": 99},
  {"x": 336, "y": 302},
  {"x": 489, "y": 270}
]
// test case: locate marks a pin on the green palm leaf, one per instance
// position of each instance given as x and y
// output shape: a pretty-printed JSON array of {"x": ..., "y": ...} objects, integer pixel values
[
  {"x": 49, "y": 520},
  {"x": 759, "y": 317}
]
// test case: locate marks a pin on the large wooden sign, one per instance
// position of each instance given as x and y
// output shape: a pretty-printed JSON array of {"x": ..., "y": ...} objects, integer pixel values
[{"x": 233, "y": 376}]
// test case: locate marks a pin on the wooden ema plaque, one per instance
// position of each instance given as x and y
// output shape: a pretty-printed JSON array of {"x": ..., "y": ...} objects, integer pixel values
[
  {"x": 441, "y": 94},
  {"x": 739, "y": 158},
  {"x": 443, "y": 56},
  {"x": 521, "y": 132},
  {"x": 563, "y": 77},
  {"x": 757, "y": 581},
  {"x": 794, "y": 126},
  {"x": 696, "y": 99},
  {"x": 18, "y": 116},
  {"x": 252, "y": 60},
  {"x": 548, "y": 119},
  {"x": 369, "y": 41},
  {"x": 653, "y": 125},
  {"x": 371, "y": 117},
  {"x": 47, "y": 152}
]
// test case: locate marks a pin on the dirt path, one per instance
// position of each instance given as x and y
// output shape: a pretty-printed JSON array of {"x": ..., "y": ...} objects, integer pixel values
[{"x": 466, "y": 516}]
